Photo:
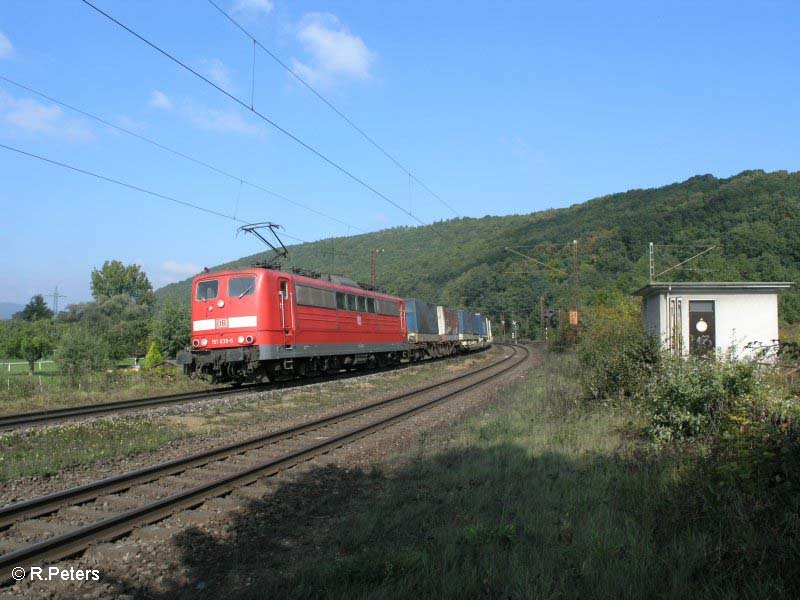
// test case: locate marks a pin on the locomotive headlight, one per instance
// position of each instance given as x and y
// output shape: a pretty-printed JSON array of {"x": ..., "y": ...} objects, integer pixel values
[
  {"x": 249, "y": 339},
  {"x": 240, "y": 339},
  {"x": 221, "y": 303},
  {"x": 204, "y": 342},
  {"x": 196, "y": 343}
]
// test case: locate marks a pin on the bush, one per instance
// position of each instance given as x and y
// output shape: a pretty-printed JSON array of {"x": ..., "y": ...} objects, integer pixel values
[
  {"x": 617, "y": 358},
  {"x": 693, "y": 394},
  {"x": 82, "y": 351},
  {"x": 154, "y": 358}
]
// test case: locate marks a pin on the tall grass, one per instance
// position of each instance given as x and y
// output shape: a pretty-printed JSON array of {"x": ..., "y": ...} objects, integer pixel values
[{"x": 544, "y": 497}]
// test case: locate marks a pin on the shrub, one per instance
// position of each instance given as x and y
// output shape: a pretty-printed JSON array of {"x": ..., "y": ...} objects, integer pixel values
[
  {"x": 617, "y": 357},
  {"x": 82, "y": 351},
  {"x": 693, "y": 394},
  {"x": 154, "y": 358}
]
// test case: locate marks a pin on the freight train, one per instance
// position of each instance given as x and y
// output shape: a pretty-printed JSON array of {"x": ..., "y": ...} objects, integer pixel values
[{"x": 263, "y": 324}]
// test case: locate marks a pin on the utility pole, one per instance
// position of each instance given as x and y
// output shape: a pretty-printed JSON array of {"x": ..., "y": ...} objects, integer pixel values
[
  {"x": 374, "y": 264},
  {"x": 652, "y": 264},
  {"x": 573, "y": 313},
  {"x": 56, "y": 296},
  {"x": 542, "y": 320}
]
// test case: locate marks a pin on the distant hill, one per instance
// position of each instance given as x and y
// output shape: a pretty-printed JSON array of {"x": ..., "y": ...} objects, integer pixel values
[
  {"x": 752, "y": 219},
  {"x": 7, "y": 309}
]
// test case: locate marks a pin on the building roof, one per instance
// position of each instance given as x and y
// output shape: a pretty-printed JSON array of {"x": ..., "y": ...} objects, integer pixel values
[{"x": 709, "y": 286}]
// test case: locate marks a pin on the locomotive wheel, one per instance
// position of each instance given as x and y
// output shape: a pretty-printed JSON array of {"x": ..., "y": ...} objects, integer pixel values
[{"x": 332, "y": 365}]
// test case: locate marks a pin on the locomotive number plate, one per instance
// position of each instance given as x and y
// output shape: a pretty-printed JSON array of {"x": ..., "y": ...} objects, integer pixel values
[{"x": 220, "y": 323}]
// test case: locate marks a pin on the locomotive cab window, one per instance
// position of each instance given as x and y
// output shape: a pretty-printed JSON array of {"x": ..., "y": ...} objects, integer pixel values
[
  {"x": 351, "y": 302},
  {"x": 362, "y": 304},
  {"x": 371, "y": 305},
  {"x": 341, "y": 301},
  {"x": 207, "y": 290},
  {"x": 238, "y": 287}
]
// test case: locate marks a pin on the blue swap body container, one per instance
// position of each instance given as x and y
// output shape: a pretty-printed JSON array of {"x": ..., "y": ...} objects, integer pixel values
[{"x": 421, "y": 316}]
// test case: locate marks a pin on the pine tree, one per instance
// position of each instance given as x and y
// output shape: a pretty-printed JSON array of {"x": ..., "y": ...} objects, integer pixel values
[{"x": 153, "y": 358}]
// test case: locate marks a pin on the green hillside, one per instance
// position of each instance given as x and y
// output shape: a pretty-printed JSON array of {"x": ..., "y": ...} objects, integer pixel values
[{"x": 752, "y": 218}]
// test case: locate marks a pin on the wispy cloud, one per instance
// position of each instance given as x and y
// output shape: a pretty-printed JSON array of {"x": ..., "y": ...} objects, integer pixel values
[
  {"x": 223, "y": 121},
  {"x": 172, "y": 267},
  {"x": 31, "y": 116},
  {"x": 204, "y": 117},
  {"x": 128, "y": 123},
  {"x": 217, "y": 72},
  {"x": 160, "y": 100},
  {"x": 6, "y": 47},
  {"x": 334, "y": 53},
  {"x": 253, "y": 7}
]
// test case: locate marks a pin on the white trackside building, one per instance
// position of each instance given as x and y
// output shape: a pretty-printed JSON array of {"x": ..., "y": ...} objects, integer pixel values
[{"x": 700, "y": 317}]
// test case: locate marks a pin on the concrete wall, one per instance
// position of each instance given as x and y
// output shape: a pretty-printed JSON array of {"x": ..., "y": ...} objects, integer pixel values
[
  {"x": 654, "y": 315},
  {"x": 741, "y": 317}
]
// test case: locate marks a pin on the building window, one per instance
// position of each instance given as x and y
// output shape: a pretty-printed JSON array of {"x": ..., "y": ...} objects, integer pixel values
[{"x": 702, "y": 327}]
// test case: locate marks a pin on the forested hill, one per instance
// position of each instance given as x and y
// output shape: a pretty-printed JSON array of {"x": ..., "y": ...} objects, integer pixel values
[{"x": 752, "y": 218}]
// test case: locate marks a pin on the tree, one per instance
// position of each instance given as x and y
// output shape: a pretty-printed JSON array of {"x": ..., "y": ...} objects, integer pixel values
[
  {"x": 37, "y": 340},
  {"x": 11, "y": 338},
  {"x": 115, "y": 279},
  {"x": 154, "y": 358},
  {"x": 118, "y": 320},
  {"x": 170, "y": 327},
  {"x": 80, "y": 352},
  {"x": 35, "y": 310}
]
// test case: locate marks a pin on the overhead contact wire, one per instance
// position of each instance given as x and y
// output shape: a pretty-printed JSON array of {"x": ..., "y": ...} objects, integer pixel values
[
  {"x": 176, "y": 152},
  {"x": 329, "y": 104},
  {"x": 266, "y": 119},
  {"x": 136, "y": 188}
]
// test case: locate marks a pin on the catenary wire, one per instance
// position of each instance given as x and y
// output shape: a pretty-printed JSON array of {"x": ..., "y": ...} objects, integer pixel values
[
  {"x": 263, "y": 117},
  {"x": 329, "y": 104},
  {"x": 134, "y": 187},
  {"x": 175, "y": 152}
]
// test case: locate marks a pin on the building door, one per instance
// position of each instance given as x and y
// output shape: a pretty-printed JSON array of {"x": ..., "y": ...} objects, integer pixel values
[
  {"x": 287, "y": 313},
  {"x": 702, "y": 331},
  {"x": 675, "y": 326}
]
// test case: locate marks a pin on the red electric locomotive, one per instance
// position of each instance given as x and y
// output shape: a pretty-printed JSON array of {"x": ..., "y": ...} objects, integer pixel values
[{"x": 262, "y": 324}]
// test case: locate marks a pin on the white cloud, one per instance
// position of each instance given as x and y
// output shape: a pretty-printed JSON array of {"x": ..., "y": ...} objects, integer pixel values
[
  {"x": 6, "y": 47},
  {"x": 204, "y": 117},
  {"x": 176, "y": 269},
  {"x": 334, "y": 52},
  {"x": 31, "y": 116},
  {"x": 128, "y": 123},
  {"x": 217, "y": 72},
  {"x": 218, "y": 120},
  {"x": 253, "y": 7},
  {"x": 160, "y": 100}
]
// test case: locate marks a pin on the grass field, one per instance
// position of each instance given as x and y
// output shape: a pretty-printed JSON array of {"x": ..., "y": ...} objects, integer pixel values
[{"x": 541, "y": 497}]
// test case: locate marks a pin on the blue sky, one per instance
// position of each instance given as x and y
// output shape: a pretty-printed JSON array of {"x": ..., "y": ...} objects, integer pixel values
[{"x": 500, "y": 108}]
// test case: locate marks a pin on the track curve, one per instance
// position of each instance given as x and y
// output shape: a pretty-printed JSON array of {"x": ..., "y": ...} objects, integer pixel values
[{"x": 243, "y": 456}]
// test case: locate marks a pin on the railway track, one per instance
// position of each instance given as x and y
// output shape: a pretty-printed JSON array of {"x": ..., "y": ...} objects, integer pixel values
[
  {"x": 58, "y": 525},
  {"x": 20, "y": 420}
]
